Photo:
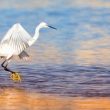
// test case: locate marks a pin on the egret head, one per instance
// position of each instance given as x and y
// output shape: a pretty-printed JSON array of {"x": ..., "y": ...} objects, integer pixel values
[{"x": 45, "y": 25}]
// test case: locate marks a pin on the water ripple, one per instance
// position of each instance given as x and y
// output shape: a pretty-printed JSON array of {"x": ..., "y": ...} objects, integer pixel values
[{"x": 66, "y": 80}]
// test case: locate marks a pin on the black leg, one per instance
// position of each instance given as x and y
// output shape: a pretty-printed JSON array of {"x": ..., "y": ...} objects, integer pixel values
[
  {"x": 14, "y": 75},
  {"x": 3, "y": 63},
  {"x": 5, "y": 67}
]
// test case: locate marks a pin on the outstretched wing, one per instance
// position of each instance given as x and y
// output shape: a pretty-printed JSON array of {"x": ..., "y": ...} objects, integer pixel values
[{"x": 16, "y": 39}]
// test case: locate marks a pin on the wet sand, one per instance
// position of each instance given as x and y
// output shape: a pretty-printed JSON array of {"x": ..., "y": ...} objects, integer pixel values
[{"x": 16, "y": 99}]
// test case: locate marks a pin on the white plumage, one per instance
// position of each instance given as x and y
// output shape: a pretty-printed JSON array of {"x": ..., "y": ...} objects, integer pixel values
[{"x": 16, "y": 40}]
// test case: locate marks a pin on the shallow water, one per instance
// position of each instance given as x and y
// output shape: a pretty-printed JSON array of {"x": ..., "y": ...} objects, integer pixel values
[
  {"x": 63, "y": 80},
  {"x": 70, "y": 62}
]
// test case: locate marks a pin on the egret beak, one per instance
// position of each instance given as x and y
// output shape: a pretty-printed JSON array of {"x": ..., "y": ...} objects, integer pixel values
[{"x": 52, "y": 27}]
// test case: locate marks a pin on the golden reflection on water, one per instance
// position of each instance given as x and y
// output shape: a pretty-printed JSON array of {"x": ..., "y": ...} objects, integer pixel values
[
  {"x": 93, "y": 3},
  {"x": 16, "y": 99},
  {"x": 25, "y": 4},
  {"x": 92, "y": 51},
  {"x": 36, "y": 3},
  {"x": 44, "y": 53}
]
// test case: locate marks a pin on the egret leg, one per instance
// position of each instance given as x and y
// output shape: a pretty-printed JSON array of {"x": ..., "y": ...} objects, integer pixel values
[
  {"x": 15, "y": 76},
  {"x": 5, "y": 66}
]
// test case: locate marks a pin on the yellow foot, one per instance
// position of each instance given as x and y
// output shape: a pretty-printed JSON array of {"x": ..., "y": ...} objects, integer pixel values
[{"x": 15, "y": 76}]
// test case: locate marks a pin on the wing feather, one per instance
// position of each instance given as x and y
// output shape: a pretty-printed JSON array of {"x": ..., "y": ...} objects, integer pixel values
[
  {"x": 16, "y": 39},
  {"x": 23, "y": 55}
]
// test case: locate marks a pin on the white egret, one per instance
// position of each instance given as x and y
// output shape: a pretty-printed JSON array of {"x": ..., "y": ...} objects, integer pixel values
[{"x": 14, "y": 43}]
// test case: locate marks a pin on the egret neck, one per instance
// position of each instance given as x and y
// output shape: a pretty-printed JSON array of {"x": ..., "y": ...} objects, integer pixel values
[{"x": 36, "y": 35}]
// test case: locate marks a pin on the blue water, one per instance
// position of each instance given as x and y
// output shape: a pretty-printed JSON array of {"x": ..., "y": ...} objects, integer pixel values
[{"x": 72, "y": 61}]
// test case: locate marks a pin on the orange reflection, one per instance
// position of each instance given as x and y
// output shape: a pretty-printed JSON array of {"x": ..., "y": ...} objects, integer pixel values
[
  {"x": 25, "y": 4},
  {"x": 15, "y": 99},
  {"x": 85, "y": 56},
  {"x": 93, "y": 3},
  {"x": 94, "y": 50},
  {"x": 93, "y": 56},
  {"x": 38, "y": 4},
  {"x": 43, "y": 53}
]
